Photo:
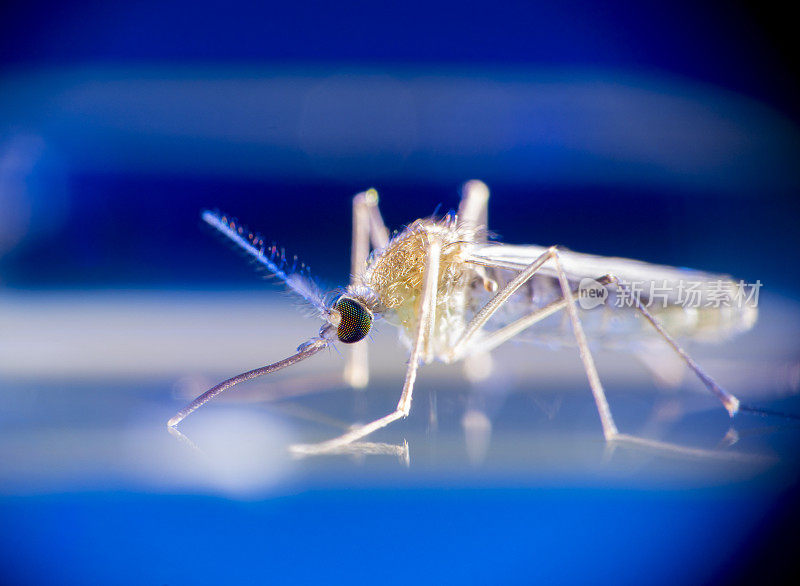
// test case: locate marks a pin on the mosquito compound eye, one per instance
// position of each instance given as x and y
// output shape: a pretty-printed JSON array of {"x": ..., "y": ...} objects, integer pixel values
[{"x": 356, "y": 320}]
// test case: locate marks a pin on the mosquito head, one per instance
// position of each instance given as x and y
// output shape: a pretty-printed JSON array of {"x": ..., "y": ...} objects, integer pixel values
[{"x": 352, "y": 319}]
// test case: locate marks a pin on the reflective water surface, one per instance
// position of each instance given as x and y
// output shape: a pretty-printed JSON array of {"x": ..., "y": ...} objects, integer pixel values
[{"x": 503, "y": 480}]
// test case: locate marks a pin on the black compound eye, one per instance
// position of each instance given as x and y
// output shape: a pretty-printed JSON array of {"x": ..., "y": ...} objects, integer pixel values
[{"x": 356, "y": 320}]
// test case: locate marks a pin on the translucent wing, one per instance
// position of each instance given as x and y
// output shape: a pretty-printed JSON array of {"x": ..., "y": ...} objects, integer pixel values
[{"x": 579, "y": 266}]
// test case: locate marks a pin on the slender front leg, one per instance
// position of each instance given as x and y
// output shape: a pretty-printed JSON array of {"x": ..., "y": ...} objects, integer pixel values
[
  {"x": 425, "y": 332},
  {"x": 368, "y": 227}
]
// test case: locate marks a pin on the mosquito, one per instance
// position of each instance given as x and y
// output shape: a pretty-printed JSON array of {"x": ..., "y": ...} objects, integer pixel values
[{"x": 456, "y": 295}]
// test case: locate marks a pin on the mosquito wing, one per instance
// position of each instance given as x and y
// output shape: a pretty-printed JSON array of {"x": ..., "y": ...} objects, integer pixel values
[
  {"x": 689, "y": 303},
  {"x": 581, "y": 266}
]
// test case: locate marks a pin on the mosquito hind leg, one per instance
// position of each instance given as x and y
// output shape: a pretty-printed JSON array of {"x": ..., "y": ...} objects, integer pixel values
[{"x": 730, "y": 402}]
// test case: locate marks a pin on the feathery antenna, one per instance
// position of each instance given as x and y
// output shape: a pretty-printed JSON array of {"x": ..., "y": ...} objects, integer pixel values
[{"x": 252, "y": 244}]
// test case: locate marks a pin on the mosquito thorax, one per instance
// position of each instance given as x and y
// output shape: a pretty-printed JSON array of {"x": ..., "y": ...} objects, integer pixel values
[{"x": 351, "y": 318}]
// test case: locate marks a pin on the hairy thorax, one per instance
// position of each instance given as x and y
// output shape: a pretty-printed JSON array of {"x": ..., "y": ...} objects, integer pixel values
[{"x": 395, "y": 275}]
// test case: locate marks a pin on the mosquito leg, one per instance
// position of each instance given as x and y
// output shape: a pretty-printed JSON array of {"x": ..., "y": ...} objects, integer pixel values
[
  {"x": 367, "y": 449},
  {"x": 607, "y": 421},
  {"x": 473, "y": 213},
  {"x": 427, "y": 320},
  {"x": 368, "y": 228},
  {"x": 506, "y": 333},
  {"x": 473, "y": 209},
  {"x": 730, "y": 402},
  {"x": 486, "y": 312},
  {"x": 459, "y": 350}
]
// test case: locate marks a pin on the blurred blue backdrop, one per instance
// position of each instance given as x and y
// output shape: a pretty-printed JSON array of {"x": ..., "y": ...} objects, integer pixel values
[
  {"x": 663, "y": 131},
  {"x": 674, "y": 123}
]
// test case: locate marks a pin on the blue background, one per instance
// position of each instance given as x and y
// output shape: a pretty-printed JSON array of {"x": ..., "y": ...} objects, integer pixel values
[
  {"x": 87, "y": 178},
  {"x": 97, "y": 210}
]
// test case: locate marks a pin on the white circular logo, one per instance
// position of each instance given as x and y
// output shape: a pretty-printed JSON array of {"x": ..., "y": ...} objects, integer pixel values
[{"x": 591, "y": 294}]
